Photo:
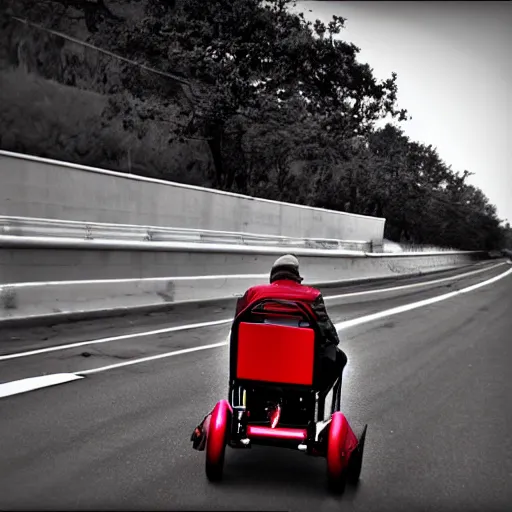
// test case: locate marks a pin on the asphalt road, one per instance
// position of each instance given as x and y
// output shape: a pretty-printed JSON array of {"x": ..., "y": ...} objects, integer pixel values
[{"x": 433, "y": 384}]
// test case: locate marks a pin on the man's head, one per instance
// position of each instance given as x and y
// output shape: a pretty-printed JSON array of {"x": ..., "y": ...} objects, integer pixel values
[{"x": 286, "y": 267}]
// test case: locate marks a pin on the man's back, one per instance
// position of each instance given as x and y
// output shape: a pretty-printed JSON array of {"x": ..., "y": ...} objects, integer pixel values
[
  {"x": 287, "y": 289},
  {"x": 283, "y": 289}
]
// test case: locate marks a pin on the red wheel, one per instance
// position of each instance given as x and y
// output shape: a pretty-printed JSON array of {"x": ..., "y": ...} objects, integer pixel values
[
  {"x": 216, "y": 440},
  {"x": 340, "y": 445}
]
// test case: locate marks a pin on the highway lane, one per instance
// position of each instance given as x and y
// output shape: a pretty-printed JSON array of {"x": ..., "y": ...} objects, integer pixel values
[{"x": 432, "y": 383}]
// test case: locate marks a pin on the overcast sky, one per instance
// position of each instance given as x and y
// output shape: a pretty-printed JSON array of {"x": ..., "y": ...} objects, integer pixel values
[{"x": 454, "y": 66}]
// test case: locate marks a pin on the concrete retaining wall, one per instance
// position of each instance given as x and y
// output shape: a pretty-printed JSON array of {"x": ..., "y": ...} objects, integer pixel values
[
  {"x": 36, "y": 299},
  {"x": 35, "y": 187},
  {"x": 40, "y": 280}
]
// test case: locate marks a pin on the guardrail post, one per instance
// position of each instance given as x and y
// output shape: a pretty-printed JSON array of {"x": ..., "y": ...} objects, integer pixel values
[{"x": 376, "y": 246}]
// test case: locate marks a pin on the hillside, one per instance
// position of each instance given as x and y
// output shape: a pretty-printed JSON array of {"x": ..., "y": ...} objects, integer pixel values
[{"x": 66, "y": 101}]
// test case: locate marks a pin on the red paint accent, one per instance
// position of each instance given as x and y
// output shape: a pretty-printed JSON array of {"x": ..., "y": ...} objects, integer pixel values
[
  {"x": 275, "y": 353},
  {"x": 217, "y": 433},
  {"x": 282, "y": 289},
  {"x": 267, "y": 314},
  {"x": 275, "y": 416},
  {"x": 276, "y": 308},
  {"x": 341, "y": 443},
  {"x": 276, "y": 433}
]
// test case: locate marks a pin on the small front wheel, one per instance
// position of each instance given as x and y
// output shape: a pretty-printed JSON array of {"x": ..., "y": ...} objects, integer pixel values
[{"x": 216, "y": 440}]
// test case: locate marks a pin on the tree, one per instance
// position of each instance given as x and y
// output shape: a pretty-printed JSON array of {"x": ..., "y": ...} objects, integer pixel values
[
  {"x": 422, "y": 199},
  {"x": 507, "y": 237},
  {"x": 247, "y": 57}
]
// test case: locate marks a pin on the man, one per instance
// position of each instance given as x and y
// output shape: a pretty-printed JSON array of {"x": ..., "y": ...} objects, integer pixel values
[{"x": 285, "y": 284}]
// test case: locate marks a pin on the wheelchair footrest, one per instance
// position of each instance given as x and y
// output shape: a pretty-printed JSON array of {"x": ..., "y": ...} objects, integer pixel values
[{"x": 288, "y": 434}]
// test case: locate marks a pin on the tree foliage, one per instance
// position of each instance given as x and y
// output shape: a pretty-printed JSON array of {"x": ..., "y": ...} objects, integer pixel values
[{"x": 250, "y": 59}]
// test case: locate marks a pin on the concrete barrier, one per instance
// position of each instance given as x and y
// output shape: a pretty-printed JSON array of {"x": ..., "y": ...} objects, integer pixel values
[
  {"x": 26, "y": 300},
  {"x": 51, "y": 283},
  {"x": 37, "y": 187}
]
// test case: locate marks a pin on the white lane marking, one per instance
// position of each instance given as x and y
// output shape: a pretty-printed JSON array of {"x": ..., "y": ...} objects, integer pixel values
[
  {"x": 339, "y": 326},
  {"x": 414, "y": 285},
  {"x": 24, "y": 385},
  {"x": 135, "y": 280},
  {"x": 220, "y": 322},
  {"x": 115, "y": 338},
  {"x": 153, "y": 358},
  {"x": 414, "y": 305}
]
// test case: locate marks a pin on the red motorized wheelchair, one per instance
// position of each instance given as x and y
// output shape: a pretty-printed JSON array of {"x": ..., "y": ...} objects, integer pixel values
[{"x": 274, "y": 397}]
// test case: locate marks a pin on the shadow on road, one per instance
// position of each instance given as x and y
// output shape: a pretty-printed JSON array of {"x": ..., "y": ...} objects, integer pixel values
[{"x": 277, "y": 471}]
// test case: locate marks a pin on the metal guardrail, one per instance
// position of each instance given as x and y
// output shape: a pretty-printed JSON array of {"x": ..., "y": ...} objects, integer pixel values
[
  {"x": 32, "y": 229},
  {"x": 50, "y": 228}
]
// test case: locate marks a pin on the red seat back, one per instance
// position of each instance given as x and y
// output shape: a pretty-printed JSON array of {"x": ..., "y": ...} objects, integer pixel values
[{"x": 275, "y": 353}]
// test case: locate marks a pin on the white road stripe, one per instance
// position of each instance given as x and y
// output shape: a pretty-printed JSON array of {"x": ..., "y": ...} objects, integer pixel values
[
  {"x": 23, "y": 386},
  {"x": 136, "y": 280},
  {"x": 176, "y": 328},
  {"x": 201, "y": 325},
  {"x": 415, "y": 285},
  {"x": 153, "y": 358},
  {"x": 415, "y": 305}
]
